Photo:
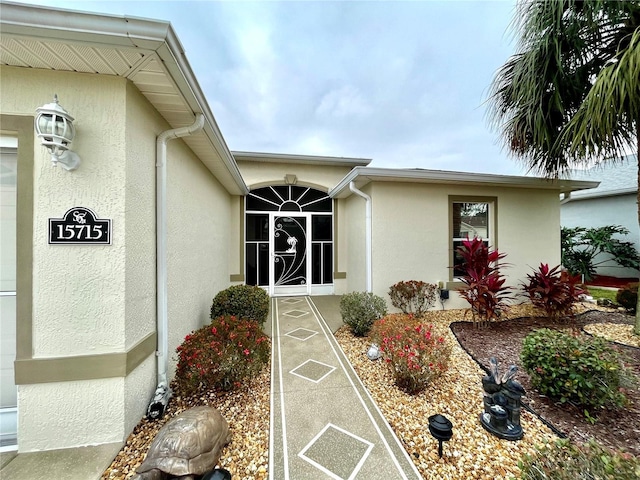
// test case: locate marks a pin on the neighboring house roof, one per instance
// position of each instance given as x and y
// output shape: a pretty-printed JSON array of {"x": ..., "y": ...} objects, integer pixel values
[
  {"x": 301, "y": 159},
  {"x": 361, "y": 176},
  {"x": 147, "y": 52},
  {"x": 616, "y": 177}
]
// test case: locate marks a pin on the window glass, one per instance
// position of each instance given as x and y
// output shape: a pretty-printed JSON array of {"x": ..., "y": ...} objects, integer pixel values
[
  {"x": 289, "y": 198},
  {"x": 469, "y": 219},
  {"x": 321, "y": 228},
  {"x": 257, "y": 227}
]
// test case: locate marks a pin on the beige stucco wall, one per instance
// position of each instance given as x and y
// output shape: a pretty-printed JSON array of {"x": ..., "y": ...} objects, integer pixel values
[
  {"x": 353, "y": 240},
  {"x": 236, "y": 240},
  {"x": 259, "y": 174},
  {"x": 142, "y": 125},
  {"x": 78, "y": 290},
  {"x": 411, "y": 232},
  {"x": 90, "y": 300},
  {"x": 197, "y": 243},
  {"x": 78, "y": 308},
  {"x": 66, "y": 414}
]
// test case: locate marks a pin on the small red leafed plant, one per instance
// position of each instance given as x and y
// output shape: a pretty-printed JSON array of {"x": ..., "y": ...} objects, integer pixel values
[
  {"x": 553, "y": 291},
  {"x": 416, "y": 353},
  {"x": 484, "y": 284},
  {"x": 221, "y": 355}
]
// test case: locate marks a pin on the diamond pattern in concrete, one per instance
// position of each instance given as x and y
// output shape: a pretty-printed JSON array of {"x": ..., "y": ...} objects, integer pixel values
[
  {"x": 291, "y": 301},
  {"x": 296, "y": 313},
  {"x": 313, "y": 371},
  {"x": 337, "y": 452},
  {"x": 301, "y": 334}
]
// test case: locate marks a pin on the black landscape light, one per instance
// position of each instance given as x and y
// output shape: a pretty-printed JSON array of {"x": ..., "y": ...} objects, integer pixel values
[
  {"x": 441, "y": 429},
  {"x": 217, "y": 474}
]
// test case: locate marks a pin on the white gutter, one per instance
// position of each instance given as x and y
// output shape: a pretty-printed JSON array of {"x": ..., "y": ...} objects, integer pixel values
[
  {"x": 567, "y": 198},
  {"x": 161, "y": 241},
  {"x": 352, "y": 187}
]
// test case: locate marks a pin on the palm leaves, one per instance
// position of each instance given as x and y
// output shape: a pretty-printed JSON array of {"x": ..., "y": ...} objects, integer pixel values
[{"x": 572, "y": 93}]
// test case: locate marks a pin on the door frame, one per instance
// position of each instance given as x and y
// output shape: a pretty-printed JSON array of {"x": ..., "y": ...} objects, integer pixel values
[{"x": 289, "y": 290}]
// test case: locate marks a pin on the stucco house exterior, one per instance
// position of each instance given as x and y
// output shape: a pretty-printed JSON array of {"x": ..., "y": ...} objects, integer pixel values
[
  {"x": 613, "y": 202},
  {"x": 90, "y": 328}
]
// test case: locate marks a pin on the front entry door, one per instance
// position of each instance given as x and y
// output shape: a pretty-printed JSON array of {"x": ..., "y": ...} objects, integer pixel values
[{"x": 289, "y": 254}]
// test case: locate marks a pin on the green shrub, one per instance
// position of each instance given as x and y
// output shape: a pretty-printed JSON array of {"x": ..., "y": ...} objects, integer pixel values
[
  {"x": 584, "y": 371},
  {"x": 242, "y": 301},
  {"x": 413, "y": 296},
  {"x": 565, "y": 460},
  {"x": 628, "y": 297},
  {"x": 221, "y": 355},
  {"x": 360, "y": 309},
  {"x": 552, "y": 291},
  {"x": 416, "y": 353}
]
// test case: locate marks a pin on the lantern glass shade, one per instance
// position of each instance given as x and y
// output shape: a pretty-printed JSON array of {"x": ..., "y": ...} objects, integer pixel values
[{"x": 54, "y": 127}]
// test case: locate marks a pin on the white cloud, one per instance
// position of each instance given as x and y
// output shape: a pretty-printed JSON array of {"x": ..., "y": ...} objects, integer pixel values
[
  {"x": 400, "y": 82},
  {"x": 346, "y": 101}
]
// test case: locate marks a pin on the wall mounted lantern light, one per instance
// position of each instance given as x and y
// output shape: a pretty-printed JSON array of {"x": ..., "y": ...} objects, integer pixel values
[{"x": 54, "y": 127}]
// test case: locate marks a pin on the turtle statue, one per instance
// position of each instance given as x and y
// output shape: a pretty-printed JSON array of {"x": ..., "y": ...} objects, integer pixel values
[{"x": 186, "y": 447}]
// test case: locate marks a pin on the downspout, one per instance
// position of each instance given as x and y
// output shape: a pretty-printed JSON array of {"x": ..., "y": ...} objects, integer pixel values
[
  {"x": 352, "y": 187},
  {"x": 163, "y": 392}
]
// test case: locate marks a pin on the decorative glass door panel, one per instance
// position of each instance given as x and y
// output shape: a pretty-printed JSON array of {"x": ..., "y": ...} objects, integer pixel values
[
  {"x": 290, "y": 255},
  {"x": 289, "y": 240}
]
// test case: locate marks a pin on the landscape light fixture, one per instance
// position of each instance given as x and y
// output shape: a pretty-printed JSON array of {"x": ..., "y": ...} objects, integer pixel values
[
  {"x": 218, "y": 474},
  {"x": 441, "y": 429},
  {"x": 374, "y": 352},
  {"x": 54, "y": 127}
]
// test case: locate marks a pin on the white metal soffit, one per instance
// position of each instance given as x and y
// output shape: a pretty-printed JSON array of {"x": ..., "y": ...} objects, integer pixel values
[{"x": 142, "y": 66}]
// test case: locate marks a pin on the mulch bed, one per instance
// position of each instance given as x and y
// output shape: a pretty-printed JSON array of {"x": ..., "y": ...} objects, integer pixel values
[{"x": 503, "y": 340}]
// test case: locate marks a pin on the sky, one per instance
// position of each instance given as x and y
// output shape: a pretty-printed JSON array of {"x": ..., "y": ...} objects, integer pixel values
[{"x": 402, "y": 83}]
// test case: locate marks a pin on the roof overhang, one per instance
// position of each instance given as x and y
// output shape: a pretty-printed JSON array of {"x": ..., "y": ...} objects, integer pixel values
[
  {"x": 361, "y": 176},
  {"x": 589, "y": 195},
  {"x": 301, "y": 159},
  {"x": 147, "y": 52}
]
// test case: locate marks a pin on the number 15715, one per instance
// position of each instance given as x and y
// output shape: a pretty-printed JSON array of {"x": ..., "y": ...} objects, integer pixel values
[{"x": 80, "y": 232}]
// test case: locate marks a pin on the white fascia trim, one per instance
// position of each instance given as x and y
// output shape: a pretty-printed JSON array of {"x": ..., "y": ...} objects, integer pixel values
[
  {"x": 87, "y": 27},
  {"x": 190, "y": 88},
  {"x": 363, "y": 175},
  {"x": 300, "y": 159},
  {"x": 123, "y": 31},
  {"x": 602, "y": 194}
]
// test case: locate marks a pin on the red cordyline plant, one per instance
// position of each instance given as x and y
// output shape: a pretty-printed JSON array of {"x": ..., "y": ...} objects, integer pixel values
[
  {"x": 553, "y": 291},
  {"x": 221, "y": 355},
  {"x": 485, "y": 290},
  {"x": 416, "y": 353}
]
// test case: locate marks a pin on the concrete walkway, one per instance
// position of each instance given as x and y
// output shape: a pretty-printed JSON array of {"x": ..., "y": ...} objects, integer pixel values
[{"x": 323, "y": 422}]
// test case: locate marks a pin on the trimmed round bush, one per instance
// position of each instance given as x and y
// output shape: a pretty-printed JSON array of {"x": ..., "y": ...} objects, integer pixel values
[
  {"x": 360, "y": 309},
  {"x": 584, "y": 371},
  {"x": 414, "y": 296},
  {"x": 628, "y": 297},
  {"x": 242, "y": 301},
  {"x": 565, "y": 460},
  {"x": 221, "y": 355}
]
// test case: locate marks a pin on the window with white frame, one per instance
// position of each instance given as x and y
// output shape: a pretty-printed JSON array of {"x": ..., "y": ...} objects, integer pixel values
[{"x": 470, "y": 218}]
